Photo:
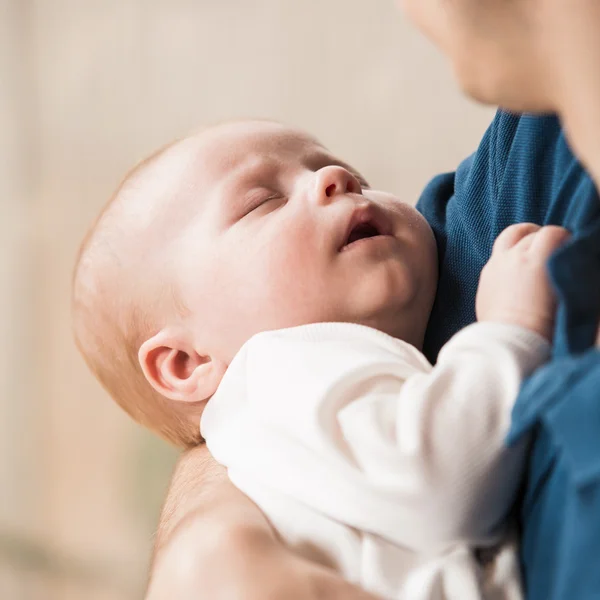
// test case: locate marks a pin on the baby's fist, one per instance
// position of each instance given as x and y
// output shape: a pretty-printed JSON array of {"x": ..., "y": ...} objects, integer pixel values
[{"x": 514, "y": 286}]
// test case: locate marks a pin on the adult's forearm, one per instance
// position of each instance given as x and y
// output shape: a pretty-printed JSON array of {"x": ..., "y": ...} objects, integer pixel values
[
  {"x": 203, "y": 514},
  {"x": 213, "y": 543},
  {"x": 201, "y": 492}
]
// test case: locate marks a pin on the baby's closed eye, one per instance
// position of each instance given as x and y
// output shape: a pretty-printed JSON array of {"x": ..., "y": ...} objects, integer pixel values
[{"x": 260, "y": 200}]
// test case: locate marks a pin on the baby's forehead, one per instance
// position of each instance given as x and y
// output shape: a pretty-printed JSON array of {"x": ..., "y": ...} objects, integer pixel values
[
  {"x": 229, "y": 146},
  {"x": 220, "y": 159}
]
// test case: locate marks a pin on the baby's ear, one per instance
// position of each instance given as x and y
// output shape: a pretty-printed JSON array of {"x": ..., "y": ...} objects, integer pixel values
[{"x": 175, "y": 369}]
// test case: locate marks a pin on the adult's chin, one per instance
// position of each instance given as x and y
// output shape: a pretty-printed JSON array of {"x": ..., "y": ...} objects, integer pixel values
[{"x": 510, "y": 91}]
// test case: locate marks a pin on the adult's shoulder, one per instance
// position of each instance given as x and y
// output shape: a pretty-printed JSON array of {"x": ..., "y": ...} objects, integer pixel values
[
  {"x": 512, "y": 176},
  {"x": 522, "y": 171}
]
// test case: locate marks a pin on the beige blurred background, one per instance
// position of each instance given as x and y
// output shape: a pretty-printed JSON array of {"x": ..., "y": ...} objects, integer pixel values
[{"x": 89, "y": 87}]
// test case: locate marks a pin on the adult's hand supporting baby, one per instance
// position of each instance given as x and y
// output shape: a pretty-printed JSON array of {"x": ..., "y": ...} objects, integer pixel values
[
  {"x": 214, "y": 543},
  {"x": 514, "y": 286}
]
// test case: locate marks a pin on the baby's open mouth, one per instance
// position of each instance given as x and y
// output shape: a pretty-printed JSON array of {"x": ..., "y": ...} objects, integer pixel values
[
  {"x": 362, "y": 231},
  {"x": 364, "y": 224}
]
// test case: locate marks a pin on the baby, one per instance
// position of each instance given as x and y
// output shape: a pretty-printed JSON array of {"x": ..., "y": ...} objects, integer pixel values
[{"x": 247, "y": 279}]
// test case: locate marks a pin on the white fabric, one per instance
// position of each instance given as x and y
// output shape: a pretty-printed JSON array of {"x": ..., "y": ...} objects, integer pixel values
[{"x": 362, "y": 453}]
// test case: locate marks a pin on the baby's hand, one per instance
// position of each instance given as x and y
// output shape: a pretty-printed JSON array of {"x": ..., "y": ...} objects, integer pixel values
[{"x": 514, "y": 286}]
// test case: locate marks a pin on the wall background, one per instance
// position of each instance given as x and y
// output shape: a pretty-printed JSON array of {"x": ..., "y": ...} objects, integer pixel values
[{"x": 89, "y": 87}]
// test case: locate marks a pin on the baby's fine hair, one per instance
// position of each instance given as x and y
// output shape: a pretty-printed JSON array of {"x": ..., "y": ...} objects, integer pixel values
[{"x": 121, "y": 296}]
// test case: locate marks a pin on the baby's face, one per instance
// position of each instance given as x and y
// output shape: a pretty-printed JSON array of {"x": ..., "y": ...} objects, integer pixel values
[{"x": 281, "y": 233}]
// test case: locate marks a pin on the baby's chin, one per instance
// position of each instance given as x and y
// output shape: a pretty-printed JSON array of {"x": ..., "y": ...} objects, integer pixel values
[{"x": 407, "y": 320}]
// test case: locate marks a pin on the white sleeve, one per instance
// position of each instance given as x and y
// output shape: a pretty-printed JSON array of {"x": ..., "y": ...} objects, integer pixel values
[
  {"x": 441, "y": 449},
  {"x": 360, "y": 427}
]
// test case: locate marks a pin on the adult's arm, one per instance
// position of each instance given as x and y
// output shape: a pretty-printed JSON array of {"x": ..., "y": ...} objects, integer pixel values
[
  {"x": 560, "y": 509},
  {"x": 213, "y": 543}
]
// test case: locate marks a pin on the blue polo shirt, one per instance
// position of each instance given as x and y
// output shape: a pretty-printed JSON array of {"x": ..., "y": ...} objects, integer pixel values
[{"x": 524, "y": 170}]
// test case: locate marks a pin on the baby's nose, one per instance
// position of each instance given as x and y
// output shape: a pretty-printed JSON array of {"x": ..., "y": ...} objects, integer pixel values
[{"x": 333, "y": 181}]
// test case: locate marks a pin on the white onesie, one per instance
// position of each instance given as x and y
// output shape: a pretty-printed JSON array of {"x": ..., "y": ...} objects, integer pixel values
[{"x": 392, "y": 471}]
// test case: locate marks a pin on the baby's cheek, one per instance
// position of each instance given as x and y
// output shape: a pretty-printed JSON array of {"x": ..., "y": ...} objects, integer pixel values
[
  {"x": 296, "y": 276},
  {"x": 291, "y": 271},
  {"x": 293, "y": 251}
]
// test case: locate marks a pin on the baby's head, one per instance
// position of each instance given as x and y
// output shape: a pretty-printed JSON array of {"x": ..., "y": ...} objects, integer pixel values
[{"x": 246, "y": 227}]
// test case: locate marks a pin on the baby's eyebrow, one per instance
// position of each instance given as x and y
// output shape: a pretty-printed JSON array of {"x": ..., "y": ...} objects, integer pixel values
[
  {"x": 254, "y": 171},
  {"x": 257, "y": 165},
  {"x": 250, "y": 171}
]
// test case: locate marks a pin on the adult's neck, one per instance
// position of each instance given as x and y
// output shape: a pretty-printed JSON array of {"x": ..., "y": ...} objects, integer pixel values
[
  {"x": 567, "y": 45},
  {"x": 580, "y": 115}
]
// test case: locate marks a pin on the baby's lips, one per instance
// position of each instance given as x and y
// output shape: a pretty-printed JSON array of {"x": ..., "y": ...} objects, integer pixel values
[{"x": 365, "y": 221}]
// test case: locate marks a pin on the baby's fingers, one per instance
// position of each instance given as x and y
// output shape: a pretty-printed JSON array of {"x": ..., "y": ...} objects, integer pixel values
[
  {"x": 548, "y": 239},
  {"x": 512, "y": 235}
]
